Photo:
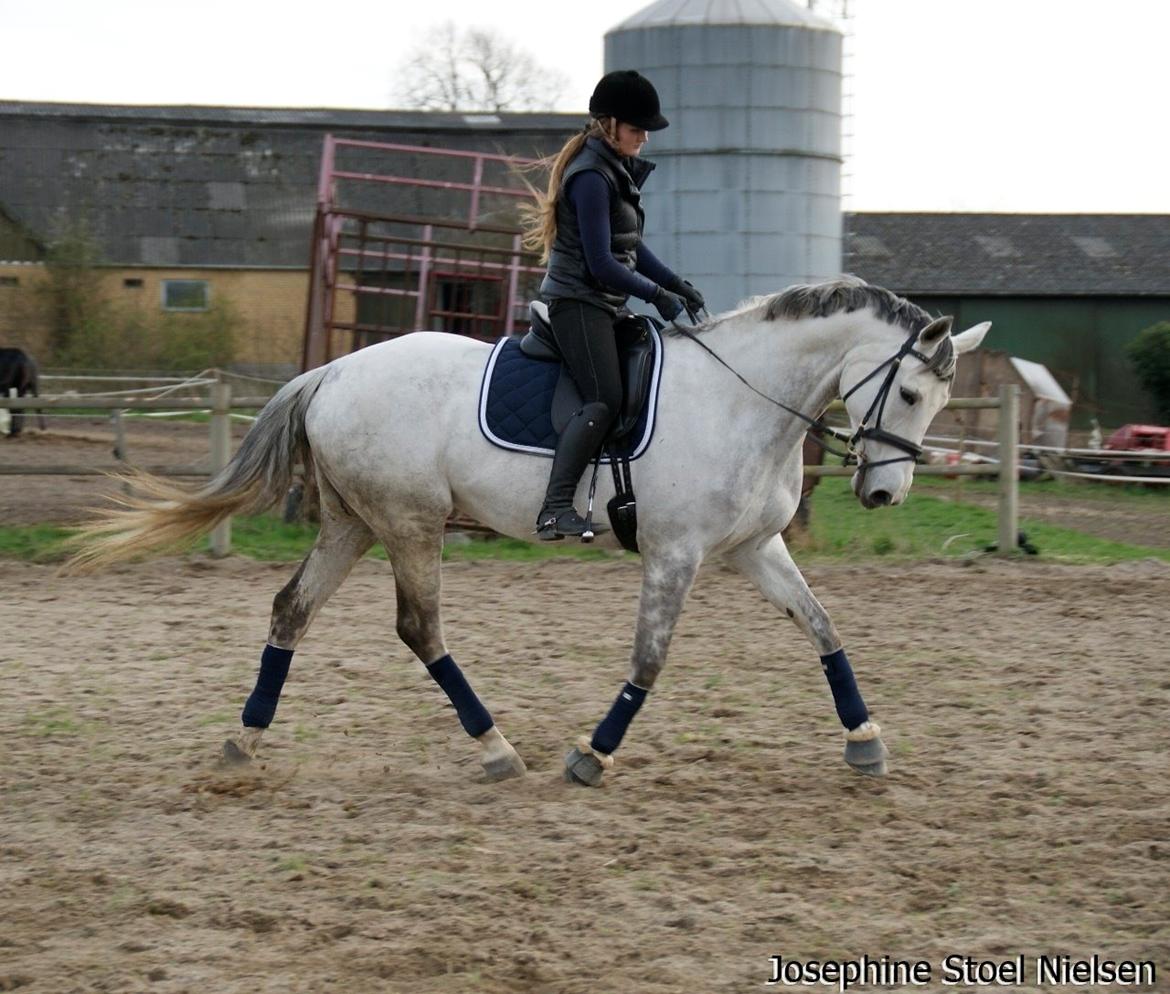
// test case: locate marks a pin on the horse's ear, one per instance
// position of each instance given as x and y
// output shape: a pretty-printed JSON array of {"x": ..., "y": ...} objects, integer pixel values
[
  {"x": 935, "y": 332},
  {"x": 967, "y": 340}
]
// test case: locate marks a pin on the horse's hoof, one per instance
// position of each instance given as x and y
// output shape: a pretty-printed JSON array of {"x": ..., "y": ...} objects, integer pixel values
[
  {"x": 498, "y": 759},
  {"x": 242, "y": 748},
  {"x": 233, "y": 755},
  {"x": 867, "y": 757},
  {"x": 504, "y": 767},
  {"x": 585, "y": 767}
]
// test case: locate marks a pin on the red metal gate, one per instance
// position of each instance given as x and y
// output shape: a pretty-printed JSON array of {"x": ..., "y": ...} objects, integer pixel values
[{"x": 452, "y": 263}]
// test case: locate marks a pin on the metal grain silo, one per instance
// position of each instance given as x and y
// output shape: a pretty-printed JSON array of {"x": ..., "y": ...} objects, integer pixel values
[{"x": 746, "y": 198}]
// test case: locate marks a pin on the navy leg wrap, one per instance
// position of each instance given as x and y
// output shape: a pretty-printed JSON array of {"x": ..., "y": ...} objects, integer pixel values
[
  {"x": 850, "y": 706},
  {"x": 609, "y": 733},
  {"x": 473, "y": 716},
  {"x": 261, "y": 704}
]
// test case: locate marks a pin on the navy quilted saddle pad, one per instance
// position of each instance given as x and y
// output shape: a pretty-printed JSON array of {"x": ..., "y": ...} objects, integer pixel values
[{"x": 515, "y": 403}]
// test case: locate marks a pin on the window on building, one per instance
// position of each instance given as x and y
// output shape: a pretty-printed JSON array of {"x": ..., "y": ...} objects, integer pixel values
[
  {"x": 132, "y": 283},
  {"x": 185, "y": 295},
  {"x": 468, "y": 305},
  {"x": 9, "y": 281}
]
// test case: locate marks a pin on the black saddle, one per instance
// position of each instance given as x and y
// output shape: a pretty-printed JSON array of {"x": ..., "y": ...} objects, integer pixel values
[{"x": 635, "y": 355}]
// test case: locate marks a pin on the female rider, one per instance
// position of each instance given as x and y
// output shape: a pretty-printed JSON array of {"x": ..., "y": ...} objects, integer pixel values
[{"x": 589, "y": 229}]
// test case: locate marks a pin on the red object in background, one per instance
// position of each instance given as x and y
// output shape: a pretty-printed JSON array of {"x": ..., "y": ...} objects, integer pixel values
[{"x": 1132, "y": 437}]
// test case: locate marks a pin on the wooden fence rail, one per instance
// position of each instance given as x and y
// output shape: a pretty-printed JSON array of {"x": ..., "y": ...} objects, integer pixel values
[{"x": 221, "y": 405}]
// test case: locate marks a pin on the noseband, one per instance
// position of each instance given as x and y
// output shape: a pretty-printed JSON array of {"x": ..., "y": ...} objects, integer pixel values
[
  {"x": 941, "y": 364},
  {"x": 877, "y": 408}
]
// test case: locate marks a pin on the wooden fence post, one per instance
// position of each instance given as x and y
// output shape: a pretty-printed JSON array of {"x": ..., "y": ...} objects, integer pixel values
[
  {"x": 221, "y": 452},
  {"x": 1009, "y": 468},
  {"x": 119, "y": 436}
]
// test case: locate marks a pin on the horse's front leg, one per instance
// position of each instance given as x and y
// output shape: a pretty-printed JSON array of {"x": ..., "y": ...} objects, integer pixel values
[
  {"x": 767, "y": 563},
  {"x": 666, "y": 581}
]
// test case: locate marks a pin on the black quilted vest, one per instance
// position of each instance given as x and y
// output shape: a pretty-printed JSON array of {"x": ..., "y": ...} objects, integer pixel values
[{"x": 568, "y": 276}]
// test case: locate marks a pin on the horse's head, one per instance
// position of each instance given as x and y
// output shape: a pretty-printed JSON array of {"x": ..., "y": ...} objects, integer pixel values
[{"x": 891, "y": 399}]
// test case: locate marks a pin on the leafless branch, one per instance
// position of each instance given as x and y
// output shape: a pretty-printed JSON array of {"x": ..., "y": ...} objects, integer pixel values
[{"x": 474, "y": 69}]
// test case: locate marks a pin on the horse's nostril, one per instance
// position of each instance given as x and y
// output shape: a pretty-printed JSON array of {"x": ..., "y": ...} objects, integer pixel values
[{"x": 880, "y": 498}]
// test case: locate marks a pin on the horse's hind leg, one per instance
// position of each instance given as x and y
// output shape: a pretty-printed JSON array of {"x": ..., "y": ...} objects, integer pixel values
[
  {"x": 768, "y": 564},
  {"x": 342, "y": 541},
  {"x": 416, "y": 552}
]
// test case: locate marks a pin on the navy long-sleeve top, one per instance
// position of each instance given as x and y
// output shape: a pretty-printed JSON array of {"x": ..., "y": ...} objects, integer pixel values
[{"x": 588, "y": 192}]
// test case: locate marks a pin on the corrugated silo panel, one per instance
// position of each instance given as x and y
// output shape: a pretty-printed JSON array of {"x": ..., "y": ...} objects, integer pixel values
[
  {"x": 715, "y": 86},
  {"x": 746, "y": 196},
  {"x": 823, "y": 213},
  {"x": 711, "y": 212},
  {"x": 775, "y": 86},
  {"x": 825, "y": 95},
  {"x": 772, "y": 172},
  {"x": 774, "y": 253},
  {"x": 698, "y": 257},
  {"x": 705, "y": 128},
  {"x": 774, "y": 212},
  {"x": 826, "y": 133},
  {"x": 823, "y": 255}
]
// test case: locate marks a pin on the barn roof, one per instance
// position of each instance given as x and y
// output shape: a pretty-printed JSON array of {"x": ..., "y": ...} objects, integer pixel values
[
  {"x": 1012, "y": 254},
  {"x": 236, "y": 187},
  {"x": 223, "y": 186}
]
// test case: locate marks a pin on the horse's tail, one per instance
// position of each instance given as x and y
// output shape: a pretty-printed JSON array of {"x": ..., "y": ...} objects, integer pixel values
[{"x": 162, "y": 515}]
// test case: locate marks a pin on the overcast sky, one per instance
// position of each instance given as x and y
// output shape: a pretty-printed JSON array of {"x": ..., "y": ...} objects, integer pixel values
[{"x": 975, "y": 105}]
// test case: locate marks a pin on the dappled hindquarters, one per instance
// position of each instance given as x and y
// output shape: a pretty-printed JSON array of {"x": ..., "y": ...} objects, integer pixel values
[{"x": 1024, "y": 705}]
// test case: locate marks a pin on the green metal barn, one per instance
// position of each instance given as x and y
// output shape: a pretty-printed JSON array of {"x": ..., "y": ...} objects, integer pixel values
[{"x": 1065, "y": 290}]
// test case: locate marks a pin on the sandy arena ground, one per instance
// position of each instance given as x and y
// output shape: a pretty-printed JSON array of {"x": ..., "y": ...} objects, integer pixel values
[{"x": 1025, "y": 706}]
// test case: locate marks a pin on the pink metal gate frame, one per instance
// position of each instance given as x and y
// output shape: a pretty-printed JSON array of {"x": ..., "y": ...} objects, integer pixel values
[{"x": 327, "y": 275}]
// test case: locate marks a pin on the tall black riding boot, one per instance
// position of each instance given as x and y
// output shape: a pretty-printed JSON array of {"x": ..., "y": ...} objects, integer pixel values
[{"x": 576, "y": 447}]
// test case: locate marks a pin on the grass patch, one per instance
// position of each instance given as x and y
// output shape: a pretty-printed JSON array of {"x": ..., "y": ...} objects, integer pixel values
[
  {"x": 930, "y": 525},
  {"x": 33, "y": 543},
  {"x": 56, "y": 722},
  {"x": 267, "y": 538}
]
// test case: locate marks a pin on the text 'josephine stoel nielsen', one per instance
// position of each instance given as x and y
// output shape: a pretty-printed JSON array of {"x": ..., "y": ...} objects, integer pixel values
[{"x": 959, "y": 970}]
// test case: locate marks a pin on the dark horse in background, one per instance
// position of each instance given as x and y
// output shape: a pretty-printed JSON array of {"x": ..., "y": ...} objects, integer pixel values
[{"x": 18, "y": 371}]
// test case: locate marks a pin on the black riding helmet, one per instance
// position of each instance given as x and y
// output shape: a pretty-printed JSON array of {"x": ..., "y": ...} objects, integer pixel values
[{"x": 630, "y": 97}]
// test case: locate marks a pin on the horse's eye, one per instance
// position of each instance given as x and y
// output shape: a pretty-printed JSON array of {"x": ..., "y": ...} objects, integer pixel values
[{"x": 909, "y": 396}]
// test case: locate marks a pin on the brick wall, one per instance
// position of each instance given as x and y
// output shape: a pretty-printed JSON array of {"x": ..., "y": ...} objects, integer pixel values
[{"x": 270, "y": 302}]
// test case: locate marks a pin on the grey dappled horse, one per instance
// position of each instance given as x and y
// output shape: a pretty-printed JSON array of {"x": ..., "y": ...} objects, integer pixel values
[{"x": 392, "y": 435}]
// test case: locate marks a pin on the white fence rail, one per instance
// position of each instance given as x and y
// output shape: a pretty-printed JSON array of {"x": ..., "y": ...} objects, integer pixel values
[
  {"x": 220, "y": 439},
  {"x": 222, "y": 406}
]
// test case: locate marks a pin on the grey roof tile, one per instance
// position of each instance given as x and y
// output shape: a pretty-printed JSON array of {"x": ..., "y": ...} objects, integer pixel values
[
  {"x": 1012, "y": 254},
  {"x": 237, "y": 187},
  {"x": 234, "y": 186}
]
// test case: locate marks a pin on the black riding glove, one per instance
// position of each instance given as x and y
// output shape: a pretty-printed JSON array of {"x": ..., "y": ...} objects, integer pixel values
[
  {"x": 668, "y": 304},
  {"x": 686, "y": 290}
]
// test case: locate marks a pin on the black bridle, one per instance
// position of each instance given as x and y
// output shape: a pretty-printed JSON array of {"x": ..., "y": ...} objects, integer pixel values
[{"x": 865, "y": 431}]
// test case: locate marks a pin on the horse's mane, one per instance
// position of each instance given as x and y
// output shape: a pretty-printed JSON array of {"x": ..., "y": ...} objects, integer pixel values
[{"x": 846, "y": 293}]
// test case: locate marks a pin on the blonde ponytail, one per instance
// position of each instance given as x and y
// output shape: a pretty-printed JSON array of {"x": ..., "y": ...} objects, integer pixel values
[{"x": 539, "y": 220}]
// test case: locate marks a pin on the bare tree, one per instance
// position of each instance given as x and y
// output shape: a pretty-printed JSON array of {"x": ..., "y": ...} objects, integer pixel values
[{"x": 475, "y": 69}]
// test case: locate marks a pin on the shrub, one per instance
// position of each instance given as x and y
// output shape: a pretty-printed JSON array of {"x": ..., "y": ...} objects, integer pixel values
[
  {"x": 109, "y": 337},
  {"x": 89, "y": 331},
  {"x": 1150, "y": 355}
]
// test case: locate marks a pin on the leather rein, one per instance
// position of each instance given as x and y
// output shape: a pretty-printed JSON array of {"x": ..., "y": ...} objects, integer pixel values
[{"x": 864, "y": 430}]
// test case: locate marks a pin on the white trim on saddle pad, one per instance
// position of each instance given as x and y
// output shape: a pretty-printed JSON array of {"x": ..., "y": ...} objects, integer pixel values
[{"x": 651, "y": 404}]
